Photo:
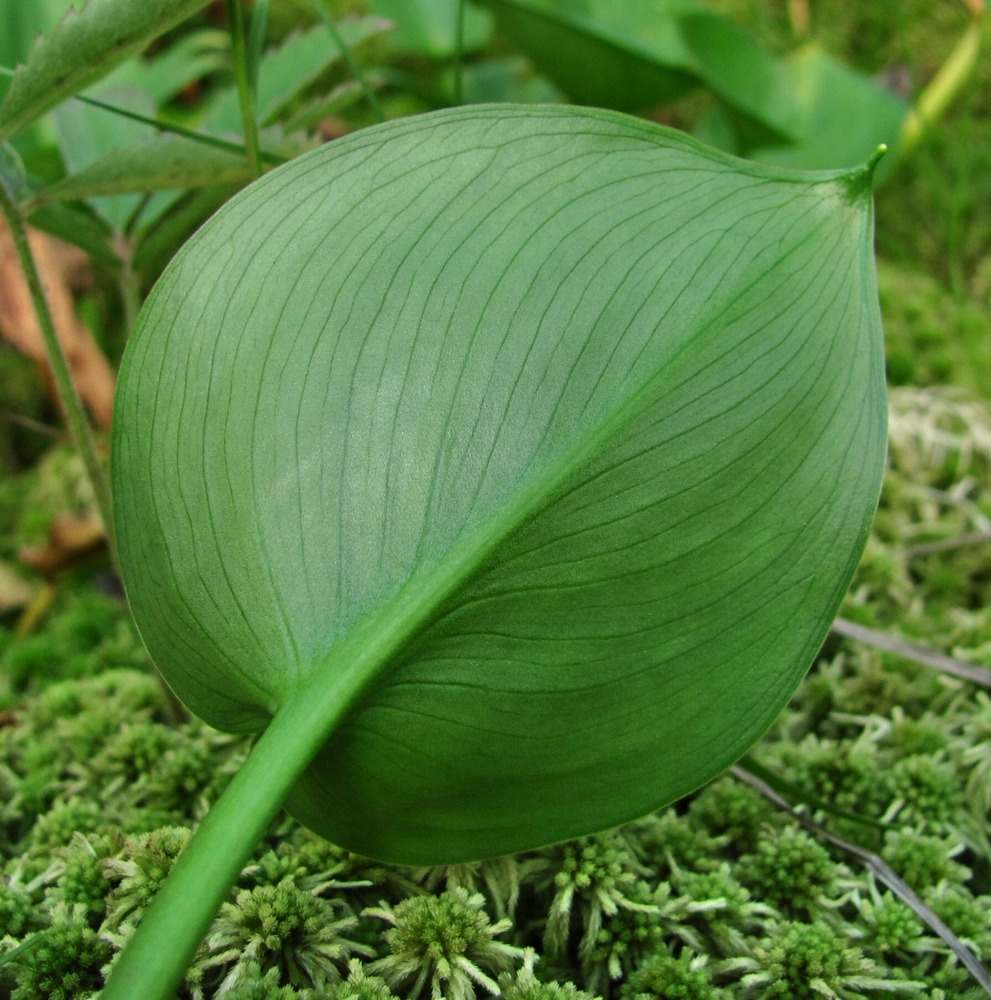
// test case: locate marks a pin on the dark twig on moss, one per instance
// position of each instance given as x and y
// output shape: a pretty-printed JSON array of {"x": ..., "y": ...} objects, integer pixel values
[
  {"x": 883, "y": 872},
  {"x": 909, "y": 651}
]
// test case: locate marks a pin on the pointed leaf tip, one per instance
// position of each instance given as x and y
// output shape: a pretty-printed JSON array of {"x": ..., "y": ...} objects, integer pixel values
[
  {"x": 876, "y": 157},
  {"x": 860, "y": 180}
]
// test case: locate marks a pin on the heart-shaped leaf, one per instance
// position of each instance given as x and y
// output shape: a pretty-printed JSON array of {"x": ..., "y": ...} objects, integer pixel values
[{"x": 514, "y": 459}]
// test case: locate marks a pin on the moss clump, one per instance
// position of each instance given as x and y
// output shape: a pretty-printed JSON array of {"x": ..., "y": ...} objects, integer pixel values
[
  {"x": 791, "y": 871},
  {"x": 664, "y": 977},
  {"x": 64, "y": 963},
  {"x": 446, "y": 942}
]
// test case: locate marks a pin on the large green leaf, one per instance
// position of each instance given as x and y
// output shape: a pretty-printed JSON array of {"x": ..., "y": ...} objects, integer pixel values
[
  {"x": 622, "y": 60},
  {"x": 84, "y": 46},
  {"x": 514, "y": 459}
]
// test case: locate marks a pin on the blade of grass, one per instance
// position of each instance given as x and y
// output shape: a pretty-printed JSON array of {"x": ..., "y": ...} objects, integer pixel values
[
  {"x": 245, "y": 86},
  {"x": 459, "y": 51},
  {"x": 353, "y": 68},
  {"x": 784, "y": 787},
  {"x": 948, "y": 544},
  {"x": 882, "y": 872},
  {"x": 950, "y": 79}
]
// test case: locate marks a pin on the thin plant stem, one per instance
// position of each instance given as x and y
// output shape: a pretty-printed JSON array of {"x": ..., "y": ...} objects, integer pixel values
[
  {"x": 944, "y": 87},
  {"x": 256, "y": 39},
  {"x": 353, "y": 68},
  {"x": 459, "y": 52},
  {"x": 273, "y": 159},
  {"x": 245, "y": 89},
  {"x": 910, "y": 651},
  {"x": 128, "y": 283},
  {"x": 65, "y": 388}
]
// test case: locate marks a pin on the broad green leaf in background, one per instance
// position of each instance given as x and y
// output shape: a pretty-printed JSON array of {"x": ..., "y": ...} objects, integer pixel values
[
  {"x": 83, "y": 47},
  {"x": 624, "y": 62},
  {"x": 515, "y": 460},
  {"x": 753, "y": 87},
  {"x": 504, "y": 80},
  {"x": 843, "y": 116},
  {"x": 639, "y": 55},
  {"x": 427, "y": 27}
]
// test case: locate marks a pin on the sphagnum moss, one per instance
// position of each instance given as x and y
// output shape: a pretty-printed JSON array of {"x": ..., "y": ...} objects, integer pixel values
[{"x": 719, "y": 897}]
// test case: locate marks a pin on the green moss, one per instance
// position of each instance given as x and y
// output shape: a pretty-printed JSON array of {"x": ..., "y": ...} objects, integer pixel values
[
  {"x": 84, "y": 882},
  {"x": 923, "y": 860},
  {"x": 360, "y": 986},
  {"x": 664, "y": 977},
  {"x": 446, "y": 943},
  {"x": 790, "y": 870},
  {"x": 64, "y": 964},
  {"x": 140, "y": 868},
  {"x": 733, "y": 811},
  {"x": 280, "y": 927},
  {"x": 19, "y": 914},
  {"x": 925, "y": 791}
]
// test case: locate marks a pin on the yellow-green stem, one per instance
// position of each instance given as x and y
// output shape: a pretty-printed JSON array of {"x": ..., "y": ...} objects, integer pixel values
[
  {"x": 64, "y": 386},
  {"x": 944, "y": 86}
]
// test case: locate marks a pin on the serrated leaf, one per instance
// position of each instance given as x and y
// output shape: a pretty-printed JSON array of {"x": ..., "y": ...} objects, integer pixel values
[
  {"x": 84, "y": 46},
  {"x": 163, "y": 162},
  {"x": 186, "y": 61},
  {"x": 515, "y": 460}
]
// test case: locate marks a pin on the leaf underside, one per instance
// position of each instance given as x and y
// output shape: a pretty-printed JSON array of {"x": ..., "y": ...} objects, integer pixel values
[{"x": 562, "y": 427}]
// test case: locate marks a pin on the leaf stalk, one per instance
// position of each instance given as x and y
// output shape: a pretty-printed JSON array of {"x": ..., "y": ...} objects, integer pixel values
[
  {"x": 353, "y": 68},
  {"x": 156, "y": 957}
]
